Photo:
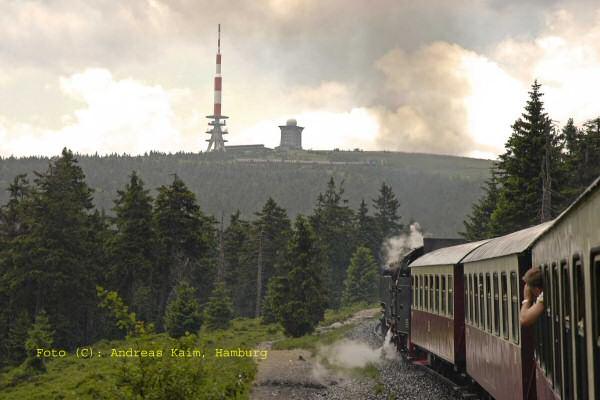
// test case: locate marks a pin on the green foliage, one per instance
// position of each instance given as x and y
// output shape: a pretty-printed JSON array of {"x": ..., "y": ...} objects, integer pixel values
[
  {"x": 386, "y": 207},
  {"x": 333, "y": 223},
  {"x": 272, "y": 227},
  {"x": 478, "y": 224},
  {"x": 125, "y": 320},
  {"x": 183, "y": 313},
  {"x": 531, "y": 151},
  {"x": 271, "y": 308},
  {"x": 366, "y": 230},
  {"x": 361, "y": 281},
  {"x": 303, "y": 288},
  {"x": 187, "y": 242},
  {"x": 40, "y": 336},
  {"x": 219, "y": 310},
  {"x": 132, "y": 248},
  {"x": 14, "y": 344}
]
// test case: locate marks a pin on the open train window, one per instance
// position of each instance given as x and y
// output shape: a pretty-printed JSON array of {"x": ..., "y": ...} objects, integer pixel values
[
  {"x": 488, "y": 303},
  {"x": 565, "y": 300},
  {"x": 468, "y": 304},
  {"x": 595, "y": 258},
  {"x": 496, "y": 305},
  {"x": 420, "y": 291},
  {"x": 514, "y": 297},
  {"x": 555, "y": 284},
  {"x": 450, "y": 296},
  {"x": 443, "y": 290},
  {"x": 579, "y": 326}
]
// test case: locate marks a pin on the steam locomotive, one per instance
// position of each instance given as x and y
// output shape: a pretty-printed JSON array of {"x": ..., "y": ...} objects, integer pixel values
[{"x": 456, "y": 307}]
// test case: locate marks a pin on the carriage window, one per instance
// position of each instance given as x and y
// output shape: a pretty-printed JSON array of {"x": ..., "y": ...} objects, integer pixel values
[
  {"x": 556, "y": 329},
  {"x": 420, "y": 294},
  {"x": 514, "y": 297},
  {"x": 496, "y": 305},
  {"x": 565, "y": 295},
  {"x": 412, "y": 285},
  {"x": 443, "y": 308},
  {"x": 476, "y": 298},
  {"x": 596, "y": 305},
  {"x": 450, "y": 282},
  {"x": 426, "y": 292},
  {"x": 547, "y": 324},
  {"x": 488, "y": 303},
  {"x": 579, "y": 326},
  {"x": 430, "y": 292},
  {"x": 436, "y": 302},
  {"x": 504, "y": 294},
  {"x": 481, "y": 303},
  {"x": 468, "y": 291}
]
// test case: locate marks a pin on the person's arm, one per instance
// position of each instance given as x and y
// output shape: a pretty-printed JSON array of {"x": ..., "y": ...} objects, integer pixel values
[{"x": 530, "y": 312}]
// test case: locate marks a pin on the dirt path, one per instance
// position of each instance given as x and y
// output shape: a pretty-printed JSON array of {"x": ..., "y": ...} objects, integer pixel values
[{"x": 295, "y": 374}]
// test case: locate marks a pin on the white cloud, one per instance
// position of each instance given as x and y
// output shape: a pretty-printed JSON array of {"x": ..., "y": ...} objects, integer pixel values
[{"x": 116, "y": 116}]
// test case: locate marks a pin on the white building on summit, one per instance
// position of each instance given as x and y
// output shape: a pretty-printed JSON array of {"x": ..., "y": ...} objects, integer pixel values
[{"x": 291, "y": 136}]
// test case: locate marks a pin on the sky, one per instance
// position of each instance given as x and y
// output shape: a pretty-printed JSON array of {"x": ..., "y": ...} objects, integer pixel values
[{"x": 435, "y": 76}]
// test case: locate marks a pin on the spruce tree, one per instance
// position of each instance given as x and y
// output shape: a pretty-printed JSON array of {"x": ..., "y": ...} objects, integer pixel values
[
  {"x": 133, "y": 248},
  {"x": 272, "y": 229},
  {"x": 275, "y": 297},
  {"x": 386, "y": 207},
  {"x": 478, "y": 224},
  {"x": 366, "y": 231},
  {"x": 361, "y": 283},
  {"x": 304, "y": 292},
  {"x": 183, "y": 312},
  {"x": 219, "y": 310},
  {"x": 40, "y": 336},
  {"x": 187, "y": 242},
  {"x": 52, "y": 261},
  {"x": 333, "y": 223},
  {"x": 532, "y": 155},
  {"x": 240, "y": 264}
]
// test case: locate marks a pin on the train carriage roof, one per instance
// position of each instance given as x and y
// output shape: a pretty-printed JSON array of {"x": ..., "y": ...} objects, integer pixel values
[
  {"x": 447, "y": 255},
  {"x": 513, "y": 243}
]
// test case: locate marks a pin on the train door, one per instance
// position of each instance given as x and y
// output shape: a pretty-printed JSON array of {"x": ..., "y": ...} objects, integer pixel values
[{"x": 579, "y": 328}]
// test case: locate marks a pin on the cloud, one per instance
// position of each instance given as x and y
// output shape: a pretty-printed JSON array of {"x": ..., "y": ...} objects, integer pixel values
[
  {"x": 445, "y": 77},
  {"x": 116, "y": 116}
]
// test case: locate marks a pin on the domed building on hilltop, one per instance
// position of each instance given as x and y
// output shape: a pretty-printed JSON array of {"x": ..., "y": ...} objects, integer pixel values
[{"x": 291, "y": 136}]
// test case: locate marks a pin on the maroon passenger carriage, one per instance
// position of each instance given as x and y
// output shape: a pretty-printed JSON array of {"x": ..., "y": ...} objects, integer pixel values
[
  {"x": 499, "y": 352},
  {"x": 437, "y": 314}
]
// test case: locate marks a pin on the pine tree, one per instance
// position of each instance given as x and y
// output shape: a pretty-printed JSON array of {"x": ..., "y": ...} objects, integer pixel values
[
  {"x": 387, "y": 220},
  {"x": 478, "y": 224},
  {"x": 275, "y": 297},
  {"x": 183, "y": 312},
  {"x": 133, "y": 247},
  {"x": 240, "y": 264},
  {"x": 219, "y": 310},
  {"x": 303, "y": 287},
  {"x": 187, "y": 242},
  {"x": 333, "y": 223},
  {"x": 56, "y": 249},
  {"x": 360, "y": 284},
  {"x": 572, "y": 162},
  {"x": 366, "y": 231},
  {"x": 40, "y": 336},
  {"x": 525, "y": 170},
  {"x": 272, "y": 228},
  {"x": 14, "y": 343}
]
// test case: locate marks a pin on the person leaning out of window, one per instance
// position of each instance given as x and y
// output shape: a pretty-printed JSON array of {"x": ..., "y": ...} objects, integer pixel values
[{"x": 532, "y": 306}]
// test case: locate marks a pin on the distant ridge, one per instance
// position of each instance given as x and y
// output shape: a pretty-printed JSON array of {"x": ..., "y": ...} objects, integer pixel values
[{"x": 436, "y": 190}]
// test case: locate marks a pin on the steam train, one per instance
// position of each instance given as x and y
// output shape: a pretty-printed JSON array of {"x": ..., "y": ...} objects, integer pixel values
[{"x": 455, "y": 306}]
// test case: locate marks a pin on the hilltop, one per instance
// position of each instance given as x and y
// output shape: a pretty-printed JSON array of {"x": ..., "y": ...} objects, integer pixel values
[{"x": 435, "y": 190}]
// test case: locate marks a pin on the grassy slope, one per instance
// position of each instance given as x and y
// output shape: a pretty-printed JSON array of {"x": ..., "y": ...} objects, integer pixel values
[{"x": 123, "y": 378}]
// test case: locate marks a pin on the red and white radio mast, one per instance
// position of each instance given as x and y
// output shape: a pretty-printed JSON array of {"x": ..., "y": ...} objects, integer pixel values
[{"x": 217, "y": 124}]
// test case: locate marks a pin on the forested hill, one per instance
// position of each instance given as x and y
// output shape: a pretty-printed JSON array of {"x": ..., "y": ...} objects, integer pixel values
[{"x": 437, "y": 191}]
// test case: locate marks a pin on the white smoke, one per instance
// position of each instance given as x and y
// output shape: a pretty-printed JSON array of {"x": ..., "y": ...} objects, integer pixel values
[
  {"x": 395, "y": 247},
  {"x": 350, "y": 354}
]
